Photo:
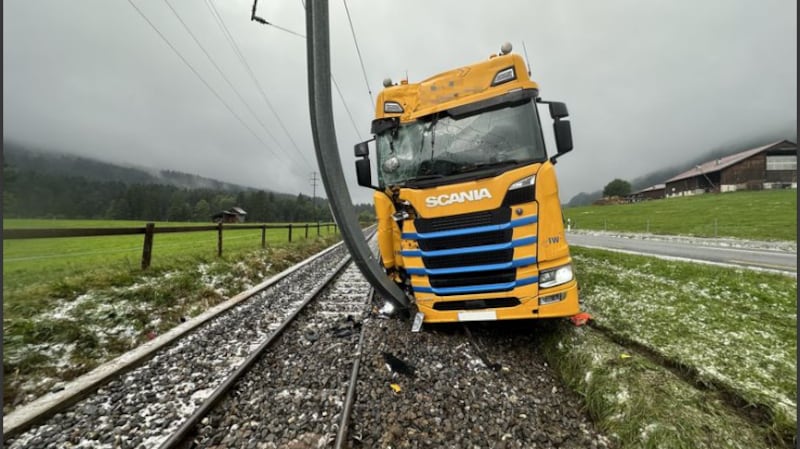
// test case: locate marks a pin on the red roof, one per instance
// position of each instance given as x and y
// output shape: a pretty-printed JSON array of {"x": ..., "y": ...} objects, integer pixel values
[{"x": 718, "y": 164}]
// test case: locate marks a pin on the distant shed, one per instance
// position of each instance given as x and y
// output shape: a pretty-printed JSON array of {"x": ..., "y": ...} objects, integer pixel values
[
  {"x": 772, "y": 166},
  {"x": 232, "y": 215}
]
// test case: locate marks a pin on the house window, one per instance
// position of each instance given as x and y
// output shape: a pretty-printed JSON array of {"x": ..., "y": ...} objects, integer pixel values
[{"x": 782, "y": 162}]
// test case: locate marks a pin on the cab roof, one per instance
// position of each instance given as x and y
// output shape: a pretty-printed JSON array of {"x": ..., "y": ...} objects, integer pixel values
[{"x": 468, "y": 84}]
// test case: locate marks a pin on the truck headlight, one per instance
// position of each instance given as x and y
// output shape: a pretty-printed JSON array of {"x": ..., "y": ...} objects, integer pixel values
[{"x": 555, "y": 276}]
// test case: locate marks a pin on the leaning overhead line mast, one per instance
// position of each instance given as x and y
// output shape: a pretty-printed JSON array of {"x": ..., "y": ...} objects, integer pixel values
[{"x": 327, "y": 151}]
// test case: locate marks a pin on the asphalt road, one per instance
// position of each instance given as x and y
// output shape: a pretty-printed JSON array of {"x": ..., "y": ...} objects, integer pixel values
[{"x": 783, "y": 261}]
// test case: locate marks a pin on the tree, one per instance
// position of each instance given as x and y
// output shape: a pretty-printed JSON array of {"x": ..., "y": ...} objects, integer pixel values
[
  {"x": 202, "y": 212},
  {"x": 617, "y": 187}
]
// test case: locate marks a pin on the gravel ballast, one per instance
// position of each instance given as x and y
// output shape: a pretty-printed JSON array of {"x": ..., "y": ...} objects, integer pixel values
[
  {"x": 294, "y": 396},
  {"x": 495, "y": 392},
  {"x": 143, "y": 406}
]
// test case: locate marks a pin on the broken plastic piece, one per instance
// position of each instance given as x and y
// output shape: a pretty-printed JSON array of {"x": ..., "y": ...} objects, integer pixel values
[
  {"x": 396, "y": 388},
  {"x": 580, "y": 319},
  {"x": 417, "y": 322}
]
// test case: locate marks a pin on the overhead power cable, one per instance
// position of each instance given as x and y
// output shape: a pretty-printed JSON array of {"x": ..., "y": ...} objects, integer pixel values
[
  {"x": 219, "y": 70},
  {"x": 197, "y": 74},
  {"x": 335, "y": 84},
  {"x": 243, "y": 60},
  {"x": 360, "y": 59},
  {"x": 339, "y": 91}
]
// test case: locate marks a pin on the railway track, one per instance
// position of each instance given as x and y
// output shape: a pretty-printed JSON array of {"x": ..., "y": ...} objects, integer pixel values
[
  {"x": 144, "y": 406},
  {"x": 304, "y": 364}
]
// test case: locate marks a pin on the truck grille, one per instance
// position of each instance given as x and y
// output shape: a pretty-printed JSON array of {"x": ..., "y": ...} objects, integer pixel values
[
  {"x": 490, "y": 217},
  {"x": 460, "y": 260},
  {"x": 460, "y": 241},
  {"x": 467, "y": 279},
  {"x": 455, "y": 236}
]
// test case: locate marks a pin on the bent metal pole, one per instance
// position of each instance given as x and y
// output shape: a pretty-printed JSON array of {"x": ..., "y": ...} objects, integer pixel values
[{"x": 327, "y": 151}]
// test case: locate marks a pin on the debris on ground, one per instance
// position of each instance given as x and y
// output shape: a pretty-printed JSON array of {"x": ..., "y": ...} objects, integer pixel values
[
  {"x": 396, "y": 365},
  {"x": 580, "y": 319}
]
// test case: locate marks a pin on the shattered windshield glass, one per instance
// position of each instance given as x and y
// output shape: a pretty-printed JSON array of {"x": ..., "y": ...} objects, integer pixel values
[{"x": 439, "y": 146}]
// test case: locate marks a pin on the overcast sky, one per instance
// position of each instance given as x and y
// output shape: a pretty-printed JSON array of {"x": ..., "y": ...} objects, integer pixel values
[{"x": 648, "y": 84}]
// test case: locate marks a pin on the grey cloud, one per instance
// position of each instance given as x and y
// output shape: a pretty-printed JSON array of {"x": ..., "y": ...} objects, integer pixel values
[{"x": 648, "y": 84}]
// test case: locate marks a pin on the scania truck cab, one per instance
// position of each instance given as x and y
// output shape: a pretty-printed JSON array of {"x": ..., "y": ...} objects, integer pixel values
[{"x": 469, "y": 217}]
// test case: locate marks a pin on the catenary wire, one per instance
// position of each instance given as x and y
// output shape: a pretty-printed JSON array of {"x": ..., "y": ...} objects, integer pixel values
[
  {"x": 197, "y": 74},
  {"x": 336, "y": 85},
  {"x": 219, "y": 70},
  {"x": 358, "y": 50},
  {"x": 243, "y": 60}
]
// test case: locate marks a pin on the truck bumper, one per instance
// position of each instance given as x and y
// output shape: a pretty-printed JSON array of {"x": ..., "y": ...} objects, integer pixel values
[{"x": 527, "y": 309}]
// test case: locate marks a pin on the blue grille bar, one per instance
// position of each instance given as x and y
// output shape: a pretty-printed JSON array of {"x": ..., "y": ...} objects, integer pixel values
[
  {"x": 470, "y": 249},
  {"x": 472, "y": 230},
  {"x": 473, "y": 268},
  {"x": 485, "y": 288}
]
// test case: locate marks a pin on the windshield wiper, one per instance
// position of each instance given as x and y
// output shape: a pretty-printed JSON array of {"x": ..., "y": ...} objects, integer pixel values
[
  {"x": 424, "y": 178},
  {"x": 484, "y": 165}
]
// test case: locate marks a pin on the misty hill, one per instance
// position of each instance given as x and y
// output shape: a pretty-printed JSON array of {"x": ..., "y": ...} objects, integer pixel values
[
  {"x": 42, "y": 184},
  {"x": 23, "y": 158},
  {"x": 659, "y": 176}
]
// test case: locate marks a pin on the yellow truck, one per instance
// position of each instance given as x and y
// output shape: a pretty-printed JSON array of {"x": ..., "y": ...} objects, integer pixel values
[{"x": 469, "y": 217}]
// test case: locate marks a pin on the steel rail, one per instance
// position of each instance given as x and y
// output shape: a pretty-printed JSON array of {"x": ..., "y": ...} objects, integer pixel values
[
  {"x": 48, "y": 405},
  {"x": 180, "y": 435},
  {"x": 351, "y": 388}
]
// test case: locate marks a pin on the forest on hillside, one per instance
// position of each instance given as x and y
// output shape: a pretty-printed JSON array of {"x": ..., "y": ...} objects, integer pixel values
[
  {"x": 33, "y": 187},
  {"x": 35, "y": 195}
]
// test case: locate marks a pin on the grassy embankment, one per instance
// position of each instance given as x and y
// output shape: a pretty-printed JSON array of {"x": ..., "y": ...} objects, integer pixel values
[
  {"x": 762, "y": 215},
  {"x": 684, "y": 355},
  {"x": 70, "y": 304}
]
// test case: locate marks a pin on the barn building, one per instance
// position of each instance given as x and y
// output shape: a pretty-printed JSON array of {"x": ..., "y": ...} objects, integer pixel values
[
  {"x": 655, "y": 192},
  {"x": 772, "y": 166}
]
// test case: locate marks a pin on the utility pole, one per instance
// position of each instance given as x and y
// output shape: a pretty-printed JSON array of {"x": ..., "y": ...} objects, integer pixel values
[{"x": 314, "y": 180}]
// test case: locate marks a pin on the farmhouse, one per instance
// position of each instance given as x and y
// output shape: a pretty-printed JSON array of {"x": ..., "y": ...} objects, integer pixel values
[
  {"x": 772, "y": 166},
  {"x": 232, "y": 215}
]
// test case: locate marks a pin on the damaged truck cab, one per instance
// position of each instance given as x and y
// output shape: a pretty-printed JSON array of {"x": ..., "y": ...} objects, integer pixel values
[{"x": 469, "y": 217}]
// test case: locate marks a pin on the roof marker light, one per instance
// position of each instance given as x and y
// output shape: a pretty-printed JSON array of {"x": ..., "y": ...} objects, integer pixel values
[
  {"x": 392, "y": 107},
  {"x": 504, "y": 76}
]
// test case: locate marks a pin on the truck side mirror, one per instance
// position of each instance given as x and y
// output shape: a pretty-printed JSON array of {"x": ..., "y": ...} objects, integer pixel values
[
  {"x": 558, "y": 110},
  {"x": 361, "y": 149},
  {"x": 563, "y": 134},
  {"x": 363, "y": 172}
]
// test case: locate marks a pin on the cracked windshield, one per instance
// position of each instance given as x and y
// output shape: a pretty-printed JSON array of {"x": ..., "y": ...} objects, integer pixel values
[{"x": 439, "y": 146}]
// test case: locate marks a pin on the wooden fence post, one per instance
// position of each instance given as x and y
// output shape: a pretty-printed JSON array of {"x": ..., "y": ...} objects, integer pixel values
[
  {"x": 306, "y": 230},
  {"x": 219, "y": 239},
  {"x": 317, "y": 229},
  {"x": 290, "y": 232},
  {"x": 147, "y": 250},
  {"x": 263, "y": 236}
]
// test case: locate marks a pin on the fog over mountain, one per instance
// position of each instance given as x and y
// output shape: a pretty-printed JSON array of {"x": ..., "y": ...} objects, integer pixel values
[{"x": 648, "y": 84}]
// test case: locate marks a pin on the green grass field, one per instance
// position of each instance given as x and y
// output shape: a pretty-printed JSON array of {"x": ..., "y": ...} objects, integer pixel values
[
  {"x": 36, "y": 261},
  {"x": 759, "y": 215},
  {"x": 732, "y": 330}
]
